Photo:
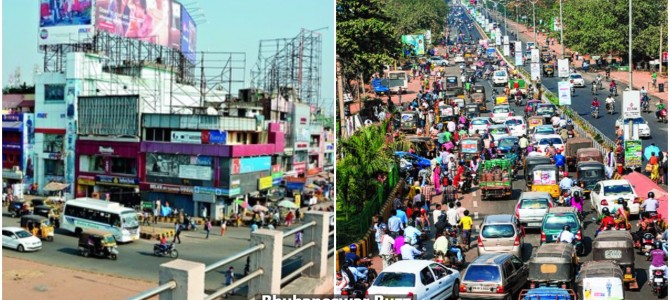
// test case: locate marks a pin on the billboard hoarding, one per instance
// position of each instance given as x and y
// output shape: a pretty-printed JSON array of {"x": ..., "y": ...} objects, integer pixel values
[
  {"x": 563, "y": 68},
  {"x": 564, "y": 97},
  {"x": 416, "y": 42},
  {"x": 535, "y": 70},
  {"x": 517, "y": 46},
  {"x": 631, "y": 104},
  {"x": 518, "y": 59},
  {"x": 535, "y": 55},
  {"x": 195, "y": 172},
  {"x": 149, "y": 22},
  {"x": 188, "y": 36},
  {"x": 64, "y": 22},
  {"x": 506, "y": 49}
]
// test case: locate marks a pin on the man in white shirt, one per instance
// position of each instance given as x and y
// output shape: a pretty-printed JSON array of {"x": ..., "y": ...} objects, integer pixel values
[
  {"x": 386, "y": 251},
  {"x": 566, "y": 235},
  {"x": 408, "y": 252},
  {"x": 451, "y": 126},
  {"x": 452, "y": 215},
  {"x": 437, "y": 212}
]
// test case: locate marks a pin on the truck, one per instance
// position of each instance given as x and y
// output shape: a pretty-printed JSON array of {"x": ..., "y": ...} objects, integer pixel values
[
  {"x": 380, "y": 86},
  {"x": 398, "y": 82},
  {"x": 495, "y": 178}
]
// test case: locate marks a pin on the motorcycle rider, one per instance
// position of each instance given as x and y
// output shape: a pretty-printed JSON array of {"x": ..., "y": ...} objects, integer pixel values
[
  {"x": 613, "y": 87},
  {"x": 163, "y": 243},
  {"x": 609, "y": 102},
  {"x": 649, "y": 205},
  {"x": 657, "y": 261},
  {"x": 577, "y": 201},
  {"x": 409, "y": 252},
  {"x": 442, "y": 245},
  {"x": 595, "y": 104},
  {"x": 523, "y": 144},
  {"x": 607, "y": 222},
  {"x": 659, "y": 107},
  {"x": 352, "y": 272},
  {"x": 566, "y": 236},
  {"x": 559, "y": 158},
  {"x": 565, "y": 184},
  {"x": 353, "y": 259}
]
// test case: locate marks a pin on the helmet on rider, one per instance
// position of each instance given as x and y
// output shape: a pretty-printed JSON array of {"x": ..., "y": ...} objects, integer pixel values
[
  {"x": 575, "y": 194},
  {"x": 620, "y": 201},
  {"x": 352, "y": 248},
  {"x": 658, "y": 245},
  {"x": 605, "y": 211},
  {"x": 650, "y": 195},
  {"x": 566, "y": 227}
]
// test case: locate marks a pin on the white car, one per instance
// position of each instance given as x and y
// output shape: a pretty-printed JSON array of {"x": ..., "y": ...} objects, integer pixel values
[
  {"x": 531, "y": 208},
  {"x": 541, "y": 131},
  {"x": 516, "y": 125},
  {"x": 20, "y": 239},
  {"x": 606, "y": 192},
  {"x": 417, "y": 279},
  {"x": 642, "y": 125},
  {"x": 500, "y": 113},
  {"x": 482, "y": 124},
  {"x": 577, "y": 80},
  {"x": 544, "y": 141},
  {"x": 500, "y": 78},
  {"x": 459, "y": 59},
  {"x": 498, "y": 131},
  {"x": 438, "y": 61}
]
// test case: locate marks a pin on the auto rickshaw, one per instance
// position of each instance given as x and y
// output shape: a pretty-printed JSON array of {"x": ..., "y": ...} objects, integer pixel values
[
  {"x": 572, "y": 145},
  {"x": 460, "y": 102},
  {"x": 19, "y": 208},
  {"x": 617, "y": 246},
  {"x": 98, "y": 243},
  {"x": 451, "y": 81},
  {"x": 534, "y": 122},
  {"x": 39, "y": 226},
  {"x": 423, "y": 145},
  {"x": 471, "y": 147},
  {"x": 548, "y": 293},
  {"x": 479, "y": 89},
  {"x": 554, "y": 265},
  {"x": 589, "y": 154},
  {"x": 545, "y": 179},
  {"x": 47, "y": 212},
  {"x": 548, "y": 69},
  {"x": 409, "y": 120},
  {"x": 589, "y": 173},
  {"x": 530, "y": 163},
  {"x": 458, "y": 92},
  {"x": 445, "y": 113},
  {"x": 597, "y": 279},
  {"x": 472, "y": 111}
]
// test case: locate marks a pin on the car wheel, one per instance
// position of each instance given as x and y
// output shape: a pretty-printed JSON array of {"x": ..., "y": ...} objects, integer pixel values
[
  {"x": 20, "y": 248},
  {"x": 455, "y": 290}
]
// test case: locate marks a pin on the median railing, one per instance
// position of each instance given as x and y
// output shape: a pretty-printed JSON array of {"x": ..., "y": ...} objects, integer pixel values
[{"x": 182, "y": 279}]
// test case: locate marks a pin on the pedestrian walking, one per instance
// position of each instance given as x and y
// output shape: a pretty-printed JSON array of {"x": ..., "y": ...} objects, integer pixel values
[
  {"x": 157, "y": 210},
  {"x": 230, "y": 278},
  {"x": 298, "y": 238},
  {"x": 146, "y": 218},
  {"x": 223, "y": 226},
  {"x": 298, "y": 214},
  {"x": 208, "y": 227},
  {"x": 177, "y": 231},
  {"x": 288, "y": 220}
]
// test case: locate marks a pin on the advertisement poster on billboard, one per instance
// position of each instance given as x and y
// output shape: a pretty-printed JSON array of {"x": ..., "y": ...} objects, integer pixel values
[
  {"x": 64, "y": 22},
  {"x": 633, "y": 153},
  {"x": 506, "y": 40},
  {"x": 498, "y": 40},
  {"x": 165, "y": 165},
  {"x": 535, "y": 70},
  {"x": 188, "y": 36},
  {"x": 564, "y": 93},
  {"x": 517, "y": 46},
  {"x": 535, "y": 56},
  {"x": 563, "y": 68},
  {"x": 175, "y": 26},
  {"x": 557, "y": 24},
  {"x": 631, "y": 104},
  {"x": 506, "y": 49},
  {"x": 415, "y": 42},
  {"x": 147, "y": 21},
  {"x": 518, "y": 59}
]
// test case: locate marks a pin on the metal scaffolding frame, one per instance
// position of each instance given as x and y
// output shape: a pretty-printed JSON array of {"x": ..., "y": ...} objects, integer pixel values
[{"x": 290, "y": 63}]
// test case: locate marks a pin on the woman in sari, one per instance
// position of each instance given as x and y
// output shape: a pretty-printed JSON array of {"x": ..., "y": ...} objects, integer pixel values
[{"x": 436, "y": 178}]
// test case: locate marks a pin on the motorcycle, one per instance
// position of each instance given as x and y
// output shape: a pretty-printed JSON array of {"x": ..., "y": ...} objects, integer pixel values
[
  {"x": 614, "y": 91},
  {"x": 645, "y": 107},
  {"x": 594, "y": 112},
  {"x": 372, "y": 273},
  {"x": 517, "y": 100},
  {"x": 594, "y": 89},
  {"x": 167, "y": 250},
  {"x": 572, "y": 90},
  {"x": 663, "y": 115},
  {"x": 648, "y": 240},
  {"x": 610, "y": 108},
  {"x": 466, "y": 183},
  {"x": 659, "y": 283}
]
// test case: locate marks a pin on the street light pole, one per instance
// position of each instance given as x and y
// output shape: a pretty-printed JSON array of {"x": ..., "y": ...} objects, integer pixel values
[
  {"x": 534, "y": 28},
  {"x": 630, "y": 44},
  {"x": 561, "y": 16}
]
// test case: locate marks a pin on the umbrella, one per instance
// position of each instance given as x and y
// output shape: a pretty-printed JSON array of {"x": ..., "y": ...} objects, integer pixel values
[
  {"x": 259, "y": 207},
  {"x": 649, "y": 150},
  {"x": 241, "y": 202},
  {"x": 287, "y": 204}
]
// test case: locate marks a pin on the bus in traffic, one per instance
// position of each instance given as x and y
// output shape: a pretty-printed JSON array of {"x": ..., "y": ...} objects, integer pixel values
[{"x": 89, "y": 213}]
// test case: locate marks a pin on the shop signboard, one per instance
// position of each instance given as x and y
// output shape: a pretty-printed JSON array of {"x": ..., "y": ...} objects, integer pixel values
[
  {"x": 216, "y": 191},
  {"x": 264, "y": 183},
  {"x": 195, "y": 172},
  {"x": 633, "y": 153},
  {"x": 188, "y": 137},
  {"x": 116, "y": 180},
  {"x": 251, "y": 164}
]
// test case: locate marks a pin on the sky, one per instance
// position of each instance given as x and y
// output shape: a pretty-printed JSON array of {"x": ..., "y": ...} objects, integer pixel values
[{"x": 231, "y": 26}]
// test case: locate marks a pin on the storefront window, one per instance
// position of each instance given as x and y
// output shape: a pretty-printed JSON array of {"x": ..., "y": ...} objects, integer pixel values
[
  {"x": 300, "y": 156},
  {"x": 121, "y": 165},
  {"x": 53, "y": 143},
  {"x": 54, "y": 167}
]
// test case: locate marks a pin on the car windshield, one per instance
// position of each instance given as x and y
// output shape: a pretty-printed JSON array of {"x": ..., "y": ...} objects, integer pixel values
[
  {"x": 557, "y": 221},
  {"x": 500, "y": 73},
  {"x": 536, "y": 203},
  {"x": 544, "y": 130},
  {"x": 506, "y": 143},
  {"x": 575, "y": 76},
  {"x": 596, "y": 173},
  {"x": 555, "y": 141},
  {"x": 395, "y": 279},
  {"x": 482, "y": 274},
  {"x": 621, "y": 189},
  {"x": 480, "y": 122},
  {"x": 635, "y": 121},
  {"x": 545, "y": 110},
  {"x": 513, "y": 122},
  {"x": 23, "y": 234},
  {"x": 497, "y": 110},
  {"x": 498, "y": 231},
  {"x": 130, "y": 219},
  {"x": 499, "y": 130}
]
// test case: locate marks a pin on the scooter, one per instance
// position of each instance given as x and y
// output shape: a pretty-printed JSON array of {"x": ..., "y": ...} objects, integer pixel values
[
  {"x": 659, "y": 284},
  {"x": 594, "y": 89},
  {"x": 648, "y": 240},
  {"x": 663, "y": 115},
  {"x": 610, "y": 108},
  {"x": 167, "y": 250},
  {"x": 517, "y": 100},
  {"x": 645, "y": 107},
  {"x": 594, "y": 112}
]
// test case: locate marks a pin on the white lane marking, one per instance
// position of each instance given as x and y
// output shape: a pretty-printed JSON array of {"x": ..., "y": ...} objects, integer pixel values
[{"x": 474, "y": 204}]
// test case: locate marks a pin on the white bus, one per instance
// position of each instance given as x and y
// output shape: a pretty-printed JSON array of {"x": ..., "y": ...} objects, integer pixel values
[{"x": 88, "y": 213}]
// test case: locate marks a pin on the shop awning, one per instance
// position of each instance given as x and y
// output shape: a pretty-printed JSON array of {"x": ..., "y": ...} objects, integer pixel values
[
  {"x": 11, "y": 125},
  {"x": 55, "y": 186}
]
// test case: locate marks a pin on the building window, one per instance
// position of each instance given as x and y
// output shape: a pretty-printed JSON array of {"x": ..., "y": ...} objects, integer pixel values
[
  {"x": 122, "y": 165},
  {"x": 54, "y": 167},
  {"x": 158, "y": 134},
  {"x": 54, "y": 92},
  {"x": 53, "y": 143},
  {"x": 299, "y": 156}
]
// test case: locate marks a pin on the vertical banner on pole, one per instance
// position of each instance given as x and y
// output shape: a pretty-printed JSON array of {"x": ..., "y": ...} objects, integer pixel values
[
  {"x": 535, "y": 70},
  {"x": 518, "y": 58},
  {"x": 506, "y": 49},
  {"x": 517, "y": 46},
  {"x": 564, "y": 93},
  {"x": 563, "y": 68},
  {"x": 631, "y": 104},
  {"x": 535, "y": 55}
]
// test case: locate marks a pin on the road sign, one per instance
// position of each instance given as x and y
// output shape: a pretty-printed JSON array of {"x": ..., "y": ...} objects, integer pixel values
[
  {"x": 564, "y": 93},
  {"x": 631, "y": 104}
]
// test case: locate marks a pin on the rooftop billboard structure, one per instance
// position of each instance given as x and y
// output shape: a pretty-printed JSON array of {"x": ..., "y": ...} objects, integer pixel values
[{"x": 65, "y": 22}]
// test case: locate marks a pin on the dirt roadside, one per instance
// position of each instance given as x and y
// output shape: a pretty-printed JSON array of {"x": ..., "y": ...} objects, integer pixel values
[{"x": 23, "y": 279}]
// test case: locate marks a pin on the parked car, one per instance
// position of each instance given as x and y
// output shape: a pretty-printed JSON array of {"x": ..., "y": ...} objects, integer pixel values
[
  {"x": 606, "y": 192},
  {"x": 482, "y": 124},
  {"x": 416, "y": 160},
  {"x": 438, "y": 61},
  {"x": 500, "y": 77},
  {"x": 420, "y": 279},
  {"x": 577, "y": 80},
  {"x": 494, "y": 276},
  {"x": 499, "y": 113},
  {"x": 20, "y": 239},
  {"x": 516, "y": 125},
  {"x": 642, "y": 125},
  {"x": 531, "y": 208},
  {"x": 500, "y": 233}
]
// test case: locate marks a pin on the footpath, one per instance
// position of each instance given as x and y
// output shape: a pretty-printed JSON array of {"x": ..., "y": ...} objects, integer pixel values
[{"x": 640, "y": 78}]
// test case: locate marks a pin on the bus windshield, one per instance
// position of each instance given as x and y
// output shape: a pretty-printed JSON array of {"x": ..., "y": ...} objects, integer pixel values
[{"x": 130, "y": 219}]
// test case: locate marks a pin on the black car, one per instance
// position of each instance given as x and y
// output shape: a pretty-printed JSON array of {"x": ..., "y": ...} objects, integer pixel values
[{"x": 18, "y": 208}]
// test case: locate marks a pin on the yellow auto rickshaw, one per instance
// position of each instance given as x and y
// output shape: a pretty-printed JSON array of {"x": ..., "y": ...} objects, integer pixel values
[
  {"x": 39, "y": 226},
  {"x": 545, "y": 179},
  {"x": 502, "y": 100}
]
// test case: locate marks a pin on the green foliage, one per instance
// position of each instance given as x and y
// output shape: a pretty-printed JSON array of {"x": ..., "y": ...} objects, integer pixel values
[
  {"x": 20, "y": 89},
  {"x": 416, "y": 16}
]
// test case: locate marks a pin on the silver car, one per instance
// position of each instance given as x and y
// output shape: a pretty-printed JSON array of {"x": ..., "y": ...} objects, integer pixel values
[
  {"x": 500, "y": 113},
  {"x": 531, "y": 208},
  {"x": 500, "y": 234}
]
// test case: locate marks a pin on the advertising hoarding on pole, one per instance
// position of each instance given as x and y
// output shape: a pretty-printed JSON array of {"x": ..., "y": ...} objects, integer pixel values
[
  {"x": 506, "y": 49},
  {"x": 518, "y": 58},
  {"x": 535, "y": 55},
  {"x": 417, "y": 43},
  {"x": 498, "y": 40},
  {"x": 563, "y": 68},
  {"x": 517, "y": 46},
  {"x": 631, "y": 104},
  {"x": 633, "y": 153},
  {"x": 71, "y": 25},
  {"x": 534, "y": 70},
  {"x": 506, "y": 40},
  {"x": 564, "y": 97}
]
